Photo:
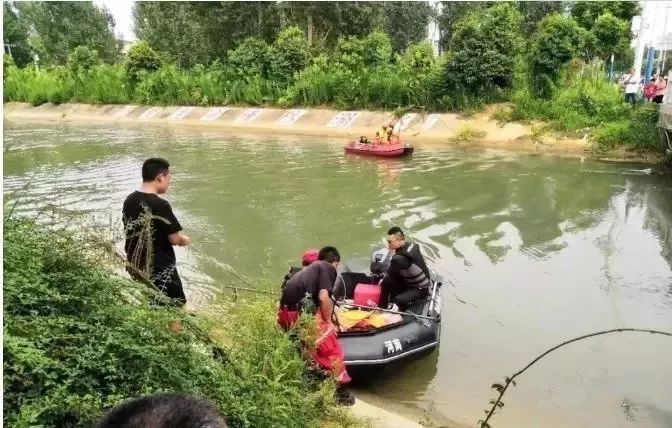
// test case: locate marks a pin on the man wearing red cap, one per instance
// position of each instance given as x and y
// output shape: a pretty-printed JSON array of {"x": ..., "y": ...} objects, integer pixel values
[
  {"x": 310, "y": 256},
  {"x": 312, "y": 286}
]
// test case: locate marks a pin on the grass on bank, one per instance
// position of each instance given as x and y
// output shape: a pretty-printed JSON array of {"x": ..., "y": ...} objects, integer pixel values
[
  {"x": 585, "y": 103},
  {"x": 79, "y": 339},
  {"x": 582, "y": 103}
]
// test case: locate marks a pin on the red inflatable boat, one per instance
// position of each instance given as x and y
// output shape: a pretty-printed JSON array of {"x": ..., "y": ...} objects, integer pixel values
[{"x": 383, "y": 150}]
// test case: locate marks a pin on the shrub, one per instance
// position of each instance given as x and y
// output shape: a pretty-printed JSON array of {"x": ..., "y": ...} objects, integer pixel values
[
  {"x": 557, "y": 40},
  {"x": 83, "y": 59},
  {"x": 288, "y": 55},
  {"x": 250, "y": 58},
  {"x": 376, "y": 49},
  {"x": 141, "y": 58},
  {"x": 484, "y": 47},
  {"x": 78, "y": 340}
]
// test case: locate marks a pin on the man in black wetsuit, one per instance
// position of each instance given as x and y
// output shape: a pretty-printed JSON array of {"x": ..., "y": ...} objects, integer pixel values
[{"x": 407, "y": 278}]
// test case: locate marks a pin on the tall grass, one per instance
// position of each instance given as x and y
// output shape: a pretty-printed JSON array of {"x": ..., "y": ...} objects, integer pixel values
[
  {"x": 78, "y": 340},
  {"x": 103, "y": 85},
  {"x": 582, "y": 99},
  {"x": 584, "y": 102},
  {"x": 37, "y": 87},
  {"x": 384, "y": 87}
]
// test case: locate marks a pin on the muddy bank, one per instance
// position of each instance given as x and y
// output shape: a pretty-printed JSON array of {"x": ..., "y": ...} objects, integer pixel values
[{"x": 478, "y": 131}]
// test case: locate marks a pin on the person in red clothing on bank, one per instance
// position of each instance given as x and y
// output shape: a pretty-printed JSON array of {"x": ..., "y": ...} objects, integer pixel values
[{"x": 310, "y": 289}]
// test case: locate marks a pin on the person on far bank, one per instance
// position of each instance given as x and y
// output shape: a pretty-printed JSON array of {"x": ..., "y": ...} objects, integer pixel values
[
  {"x": 661, "y": 86},
  {"x": 631, "y": 84},
  {"x": 407, "y": 278},
  {"x": 151, "y": 232}
]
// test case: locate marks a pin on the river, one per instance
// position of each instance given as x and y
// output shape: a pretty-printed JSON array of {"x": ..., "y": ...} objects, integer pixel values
[{"x": 537, "y": 250}]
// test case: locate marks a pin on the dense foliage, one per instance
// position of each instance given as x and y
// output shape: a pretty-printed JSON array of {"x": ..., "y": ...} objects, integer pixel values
[{"x": 79, "y": 340}]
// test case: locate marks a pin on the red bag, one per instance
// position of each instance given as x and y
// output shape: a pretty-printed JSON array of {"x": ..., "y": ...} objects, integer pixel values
[
  {"x": 650, "y": 90},
  {"x": 287, "y": 318},
  {"x": 329, "y": 353}
]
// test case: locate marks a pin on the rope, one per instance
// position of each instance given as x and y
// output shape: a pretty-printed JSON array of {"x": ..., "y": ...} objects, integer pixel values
[{"x": 233, "y": 273}]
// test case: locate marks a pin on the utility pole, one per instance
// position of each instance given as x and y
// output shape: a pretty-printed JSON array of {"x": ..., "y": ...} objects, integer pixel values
[
  {"x": 433, "y": 29},
  {"x": 661, "y": 58},
  {"x": 641, "y": 43},
  {"x": 649, "y": 64}
]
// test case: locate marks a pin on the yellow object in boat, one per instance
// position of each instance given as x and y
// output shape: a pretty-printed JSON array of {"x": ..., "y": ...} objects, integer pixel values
[
  {"x": 356, "y": 315},
  {"x": 378, "y": 320},
  {"x": 348, "y": 319}
]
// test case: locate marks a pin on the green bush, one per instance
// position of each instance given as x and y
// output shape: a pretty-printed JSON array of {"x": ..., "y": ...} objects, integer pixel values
[
  {"x": 7, "y": 64},
  {"x": 418, "y": 58},
  {"x": 376, "y": 49},
  {"x": 79, "y": 340},
  {"x": 349, "y": 53},
  {"x": 288, "y": 55},
  {"x": 558, "y": 39},
  {"x": 484, "y": 48},
  {"x": 640, "y": 133},
  {"x": 141, "y": 58},
  {"x": 167, "y": 86},
  {"x": 104, "y": 84},
  {"x": 83, "y": 59},
  {"x": 47, "y": 85},
  {"x": 611, "y": 135},
  {"x": 583, "y": 98},
  {"x": 644, "y": 129},
  {"x": 250, "y": 58}
]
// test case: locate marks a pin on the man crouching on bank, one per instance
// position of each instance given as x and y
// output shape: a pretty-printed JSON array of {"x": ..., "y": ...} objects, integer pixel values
[{"x": 310, "y": 290}]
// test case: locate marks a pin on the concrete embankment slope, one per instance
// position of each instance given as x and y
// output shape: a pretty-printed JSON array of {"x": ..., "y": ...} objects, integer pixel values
[
  {"x": 477, "y": 130},
  {"x": 378, "y": 417}
]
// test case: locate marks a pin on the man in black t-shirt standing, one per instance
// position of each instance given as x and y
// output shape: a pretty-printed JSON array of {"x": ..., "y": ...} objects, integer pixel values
[{"x": 152, "y": 230}]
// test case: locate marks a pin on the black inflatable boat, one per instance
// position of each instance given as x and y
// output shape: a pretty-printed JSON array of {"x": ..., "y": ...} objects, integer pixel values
[{"x": 417, "y": 335}]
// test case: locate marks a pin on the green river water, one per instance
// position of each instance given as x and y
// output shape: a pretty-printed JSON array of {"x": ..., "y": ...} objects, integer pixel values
[{"x": 536, "y": 250}]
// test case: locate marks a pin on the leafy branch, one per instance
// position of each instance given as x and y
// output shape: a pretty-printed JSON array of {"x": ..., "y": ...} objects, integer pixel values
[{"x": 498, "y": 403}]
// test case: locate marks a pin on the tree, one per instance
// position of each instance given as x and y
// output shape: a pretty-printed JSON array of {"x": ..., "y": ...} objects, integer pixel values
[
  {"x": 557, "y": 40},
  {"x": 377, "y": 49},
  {"x": 60, "y": 27},
  {"x": 611, "y": 35},
  {"x": 202, "y": 32},
  {"x": 534, "y": 11},
  {"x": 289, "y": 54},
  {"x": 174, "y": 28},
  {"x": 140, "y": 58},
  {"x": 484, "y": 47},
  {"x": 451, "y": 13},
  {"x": 325, "y": 22},
  {"x": 83, "y": 59},
  {"x": 406, "y": 22},
  {"x": 15, "y": 34},
  {"x": 250, "y": 58},
  {"x": 587, "y": 12}
]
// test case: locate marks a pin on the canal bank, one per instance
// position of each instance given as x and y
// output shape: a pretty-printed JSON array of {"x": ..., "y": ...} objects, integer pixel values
[{"x": 477, "y": 131}]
